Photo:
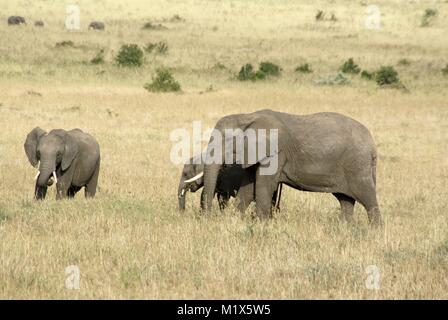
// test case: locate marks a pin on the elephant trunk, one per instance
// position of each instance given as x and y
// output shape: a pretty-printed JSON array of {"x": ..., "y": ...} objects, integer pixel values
[
  {"x": 181, "y": 193},
  {"x": 46, "y": 170},
  {"x": 211, "y": 172}
]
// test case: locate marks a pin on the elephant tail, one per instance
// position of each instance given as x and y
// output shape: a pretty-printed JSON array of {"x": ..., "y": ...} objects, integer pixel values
[{"x": 374, "y": 158}]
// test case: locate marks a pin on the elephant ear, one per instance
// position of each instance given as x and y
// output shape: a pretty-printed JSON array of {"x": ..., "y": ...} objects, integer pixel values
[
  {"x": 31, "y": 142},
  {"x": 266, "y": 129},
  {"x": 70, "y": 152}
]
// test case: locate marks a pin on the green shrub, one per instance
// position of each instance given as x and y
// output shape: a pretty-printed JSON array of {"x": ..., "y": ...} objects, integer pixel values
[
  {"x": 65, "y": 43},
  {"x": 269, "y": 69},
  {"x": 99, "y": 58},
  {"x": 246, "y": 72},
  {"x": 445, "y": 70},
  {"x": 367, "y": 75},
  {"x": 304, "y": 68},
  {"x": 386, "y": 75},
  {"x": 130, "y": 55},
  {"x": 163, "y": 81},
  {"x": 427, "y": 17},
  {"x": 266, "y": 69},
  {"x": 350, "y": 66}
]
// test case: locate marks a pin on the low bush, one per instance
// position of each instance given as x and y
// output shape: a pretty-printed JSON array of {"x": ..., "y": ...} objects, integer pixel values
[
  {"x": 163, "y": 81},
  {"x": 350, "y": 66},
  {"x": 304, "y": 68},
  {"x": 265, "y": 69},
  {"x": 386, "y": 75},
  {"x": 269, "y": 69},
  {"x": 428, "y": 17},
  {"x": 367, "y": 75},
  {"x": 130, "y": 55}
]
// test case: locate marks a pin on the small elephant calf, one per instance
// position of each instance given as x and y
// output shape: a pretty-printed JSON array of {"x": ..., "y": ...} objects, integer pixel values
[
  {"x": 71, "y": 158},
  {"x": 233, "y": 181}
]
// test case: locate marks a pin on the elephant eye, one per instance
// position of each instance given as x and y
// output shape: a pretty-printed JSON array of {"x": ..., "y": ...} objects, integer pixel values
[{"x": 38, "y": 155}]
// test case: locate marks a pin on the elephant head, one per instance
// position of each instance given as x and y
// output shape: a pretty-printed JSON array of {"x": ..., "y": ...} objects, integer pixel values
[
  {"x": 51, "y": 153},
  {"x": 190, "y": 180}
]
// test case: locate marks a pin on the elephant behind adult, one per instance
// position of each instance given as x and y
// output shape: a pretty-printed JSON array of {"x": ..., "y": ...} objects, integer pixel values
[
  {"x": 72, "y": 158},
  {"x": 229, "y": 181},
  {"x": 322, "y": 152}
]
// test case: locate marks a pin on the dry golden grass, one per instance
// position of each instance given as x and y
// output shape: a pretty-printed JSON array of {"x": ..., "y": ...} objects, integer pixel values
[{"x": 130, "y": 241}]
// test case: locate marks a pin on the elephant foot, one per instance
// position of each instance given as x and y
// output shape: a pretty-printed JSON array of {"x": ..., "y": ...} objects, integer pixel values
[{"x": 375, "y": 218}]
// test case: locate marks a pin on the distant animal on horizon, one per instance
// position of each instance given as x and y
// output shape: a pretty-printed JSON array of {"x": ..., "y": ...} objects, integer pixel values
[
  {"x": 39, "y": 23},
  {"x": 16, "y": 20},
  {"x": 70, "y": 158},
  {"x": 96, "y": 25}
]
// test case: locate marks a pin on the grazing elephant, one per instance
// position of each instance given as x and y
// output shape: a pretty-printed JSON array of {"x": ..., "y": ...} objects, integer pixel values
[
  {"x": 322, "y": 152},
  {"x": 16, "y": 20},
  {"x": 228, "y": 184},
  {"x": 96, "y": 25},
  {"x": 72, "y": 158}
]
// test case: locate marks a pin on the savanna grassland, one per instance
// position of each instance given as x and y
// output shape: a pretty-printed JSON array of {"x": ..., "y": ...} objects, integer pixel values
[{"x": 130, "y": 241}]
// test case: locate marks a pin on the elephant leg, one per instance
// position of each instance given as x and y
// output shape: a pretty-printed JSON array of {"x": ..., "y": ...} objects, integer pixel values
[
  {"x": 347, "y": 206},
  {"x": 365, "y": 193},
  {"x": 265, "y": 186},
  {"x": 62, "y": 189},
  {"x": 223, "y": 199},
  {"x": 72, "y": 191},
  {"x": 90, "y": 189},
  {"x": 246, "y": 193}
]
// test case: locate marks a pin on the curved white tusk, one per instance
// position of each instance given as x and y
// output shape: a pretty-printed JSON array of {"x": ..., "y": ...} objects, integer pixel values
[
  {"x": 182, "y": 193},
  {"x": 37, "y": 175},
  {"x": 196, "y": 177},
  {"x": 55, "y": 177}
]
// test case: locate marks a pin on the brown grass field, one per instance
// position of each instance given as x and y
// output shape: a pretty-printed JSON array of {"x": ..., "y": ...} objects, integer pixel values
[{"x": 131, "y": 242}]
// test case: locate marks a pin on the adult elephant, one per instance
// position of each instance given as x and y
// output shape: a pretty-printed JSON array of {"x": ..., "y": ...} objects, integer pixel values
[
  {"x": 71, "y": 158},
  {"x": 230, "y": 178},
  {"x": 322, "y": 152},
  {"x": 16, "y": 20}
]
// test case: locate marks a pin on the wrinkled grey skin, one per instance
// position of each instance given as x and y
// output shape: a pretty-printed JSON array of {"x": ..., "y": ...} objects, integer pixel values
[
  {"x": 73, "y": 155},
  {"x": 96, "y": 25},
  {"x": 16, "y": 20},
  {"x": 322, "y": 152},
  {"x": 228, "y": 185}
]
